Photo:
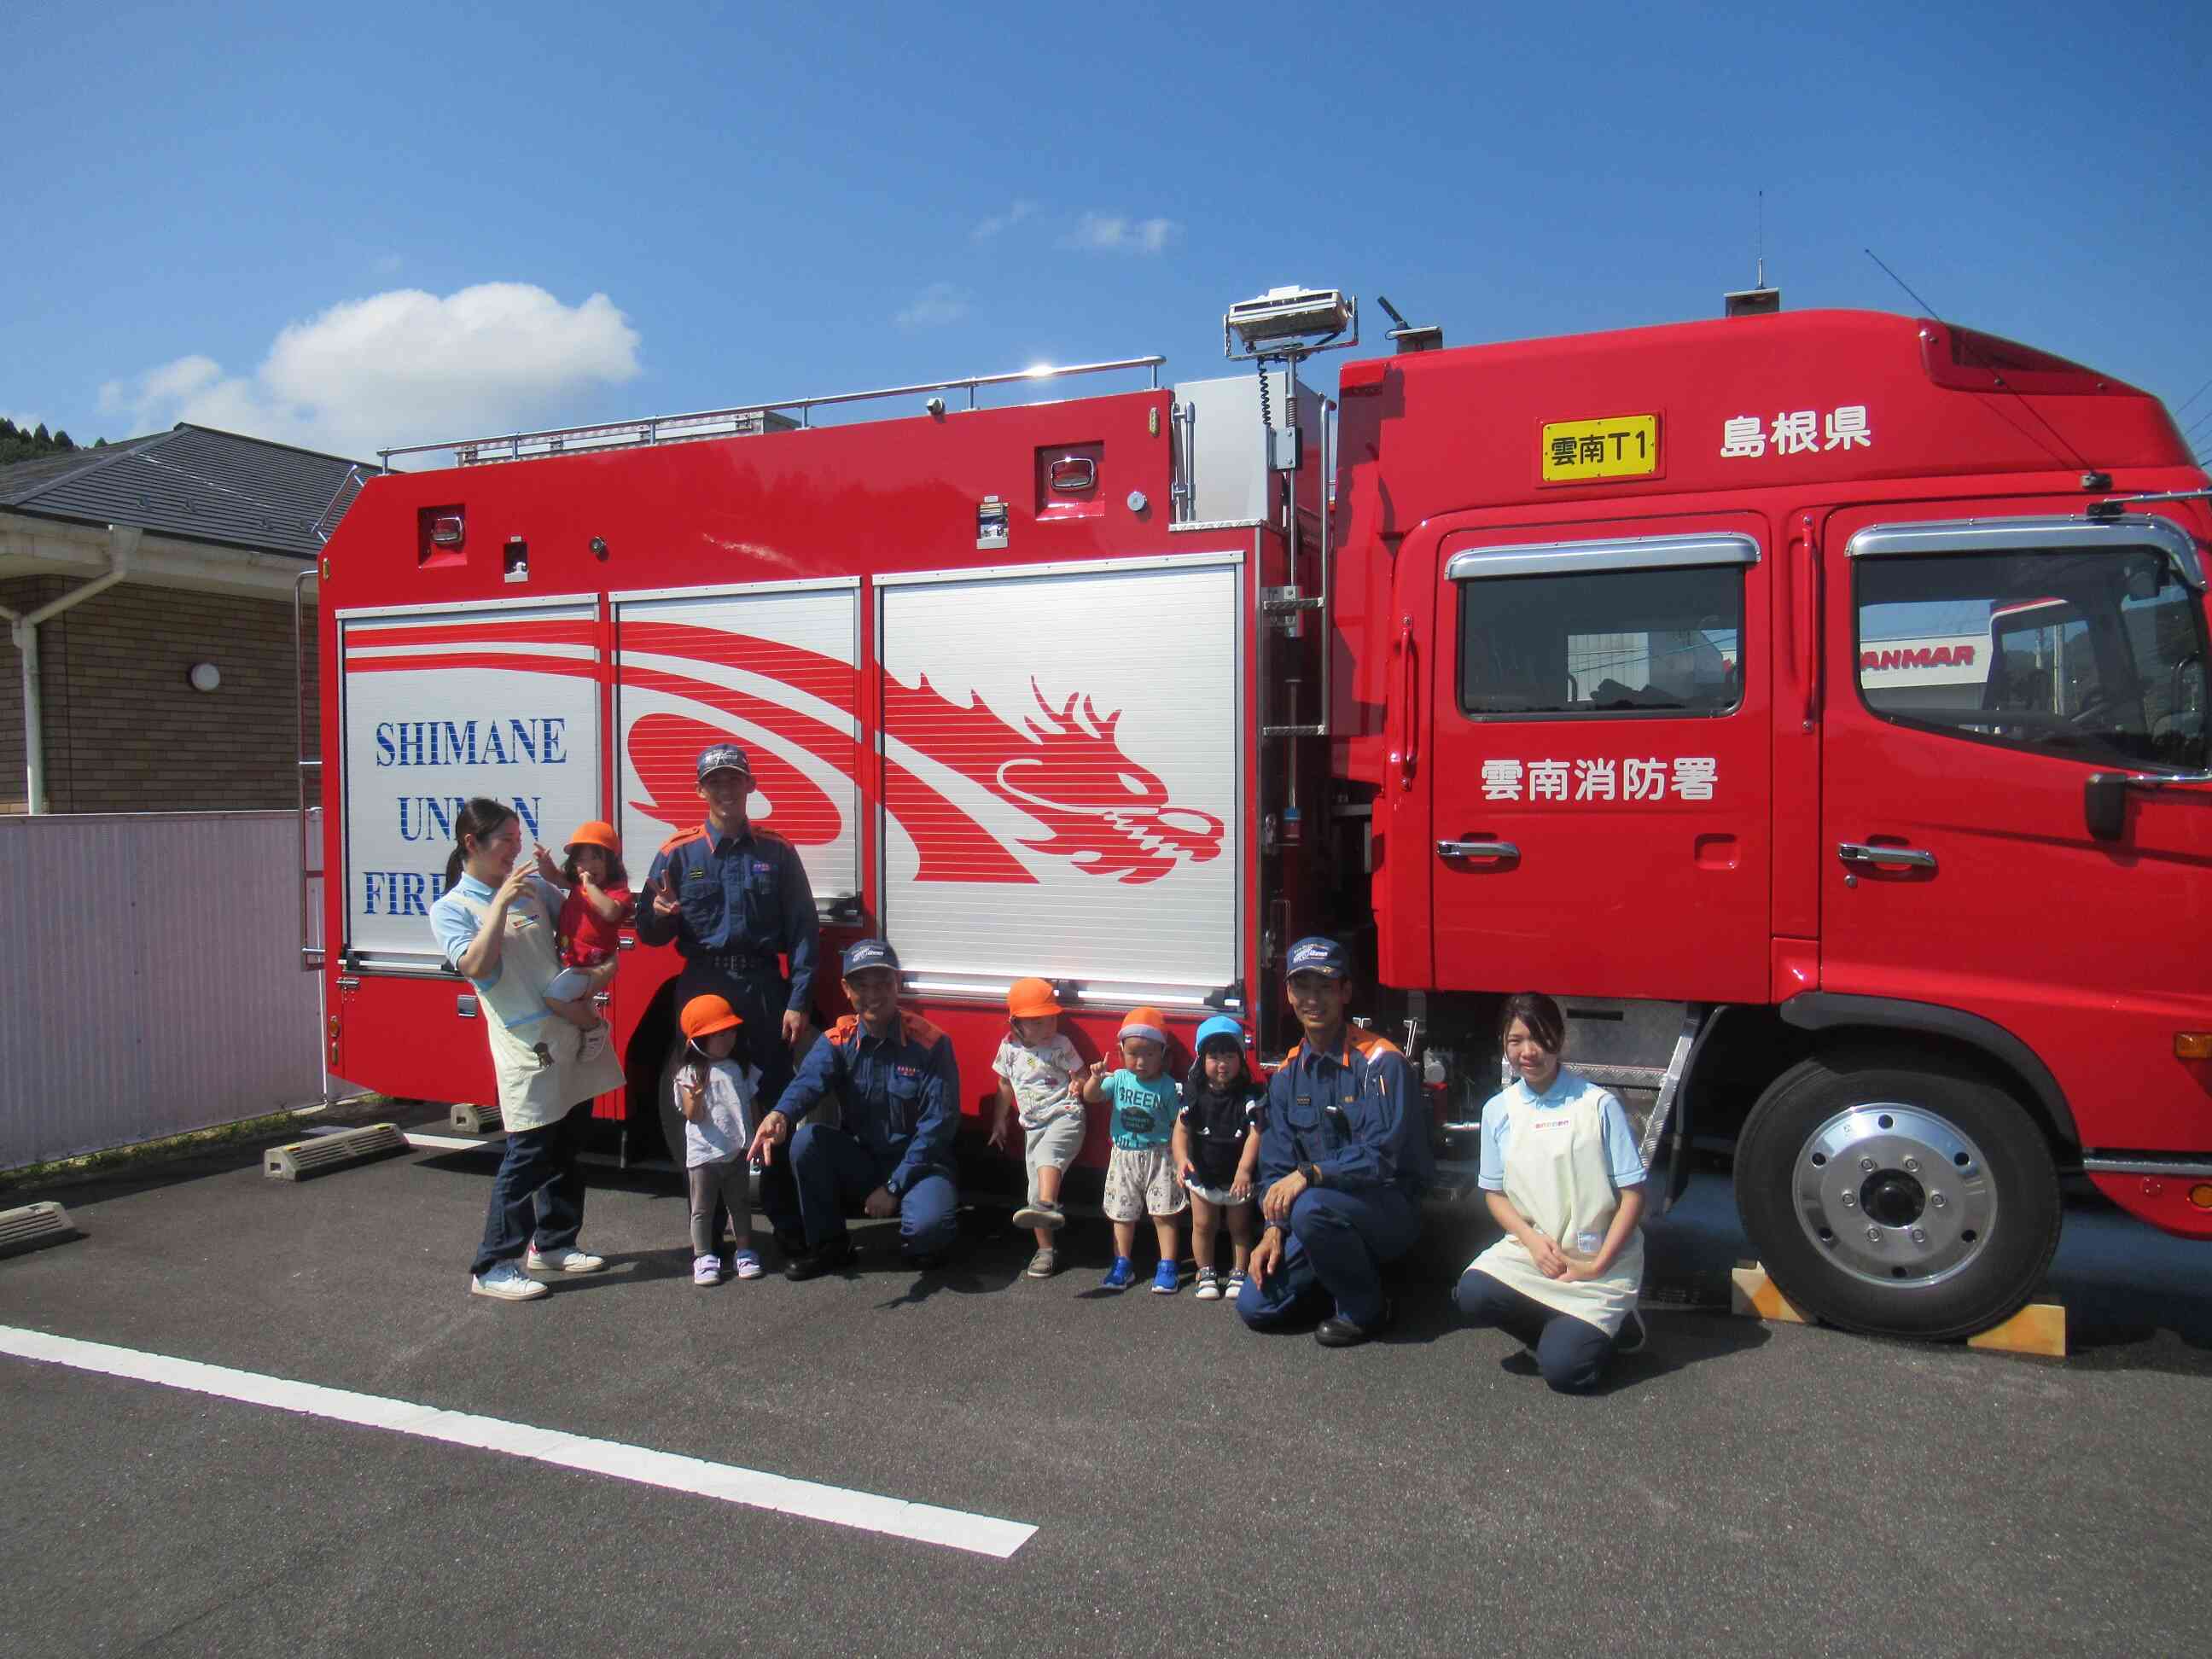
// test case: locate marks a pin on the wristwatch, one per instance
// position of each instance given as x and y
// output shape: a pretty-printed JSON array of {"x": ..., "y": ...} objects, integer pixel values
[{"x": 1311, "y": 1172}]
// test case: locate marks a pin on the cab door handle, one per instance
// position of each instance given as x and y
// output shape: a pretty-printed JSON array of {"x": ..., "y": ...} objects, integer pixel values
[
  {"x": 1477, "y": 849},
  {"x": 1910, "y": 857}
]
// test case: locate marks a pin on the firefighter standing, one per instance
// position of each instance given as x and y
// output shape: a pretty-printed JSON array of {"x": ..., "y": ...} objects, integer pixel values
[
  {"x": 1344, "y": 1158},
  {"x": 733, "y": 899}
]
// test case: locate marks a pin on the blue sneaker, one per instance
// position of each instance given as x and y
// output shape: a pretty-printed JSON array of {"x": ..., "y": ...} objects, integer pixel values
[
  {"x": 1167, "y": 1278},
  {"x": 1120, "y": 1276}
]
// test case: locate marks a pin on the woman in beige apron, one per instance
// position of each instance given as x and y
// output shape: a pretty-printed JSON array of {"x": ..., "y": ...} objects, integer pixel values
[
  {"x": 1561, "y": 1175},
  {"x": 496, "y": 925}
]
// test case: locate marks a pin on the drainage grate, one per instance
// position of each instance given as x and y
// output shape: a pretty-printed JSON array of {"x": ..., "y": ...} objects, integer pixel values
[
  {"x": 307, "y": 1157},
  {"x": 33, "y": 1224}
]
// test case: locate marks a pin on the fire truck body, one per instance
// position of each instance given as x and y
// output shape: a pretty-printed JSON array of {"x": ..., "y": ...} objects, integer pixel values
[{"x": 1569, "y": 677}]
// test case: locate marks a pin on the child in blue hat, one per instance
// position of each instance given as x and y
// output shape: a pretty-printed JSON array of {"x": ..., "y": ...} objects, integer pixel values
[{"x": 1217, "y": 1152}]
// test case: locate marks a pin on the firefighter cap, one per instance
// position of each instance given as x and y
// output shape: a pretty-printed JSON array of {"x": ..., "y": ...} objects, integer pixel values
[
  {"x": 870, "y": 953},
  {"x": 1318, "y": 954},
  {"x": 596, "y": 833},
  {"x": 704, "y": 1016},
  {"x": 722, "y": 758},
  {"x": 1032, "y": 998}
]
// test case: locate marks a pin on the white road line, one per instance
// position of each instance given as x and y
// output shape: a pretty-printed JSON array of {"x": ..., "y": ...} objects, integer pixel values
[{"x": 981, "y": 1535}]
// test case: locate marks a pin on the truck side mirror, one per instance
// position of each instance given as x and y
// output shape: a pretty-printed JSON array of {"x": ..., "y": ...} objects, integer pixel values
[{"x": 2104, "y": 803}]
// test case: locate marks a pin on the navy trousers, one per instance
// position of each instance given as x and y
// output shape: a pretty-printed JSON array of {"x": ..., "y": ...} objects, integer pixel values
[
  {"x": 539, "y": 1190},
  {"x": 1571, "y": 1354},
  {"x": 835, "y": 1173},
  {"x": 1333, "y": 1258}
]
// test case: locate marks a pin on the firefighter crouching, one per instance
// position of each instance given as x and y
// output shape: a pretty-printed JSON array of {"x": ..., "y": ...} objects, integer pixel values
[
  {"x": 895, "y": 1075},
  {"x": 1344, "y": 1158},
  {"x": 731, "y": 898}
]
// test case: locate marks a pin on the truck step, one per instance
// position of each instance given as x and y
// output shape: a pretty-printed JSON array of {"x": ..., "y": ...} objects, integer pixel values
[
  {"x": 307, "y": 1157},
  {"x": 34, "y": 1224}
]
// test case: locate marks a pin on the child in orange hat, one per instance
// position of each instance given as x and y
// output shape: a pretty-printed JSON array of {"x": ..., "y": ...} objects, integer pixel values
[
  {"x": 1140, "y": 1174},
  {"x": 715, "y": 1091},
  {"x": 589, "y": 928},
  {"x": 1040, "y": 1074}
]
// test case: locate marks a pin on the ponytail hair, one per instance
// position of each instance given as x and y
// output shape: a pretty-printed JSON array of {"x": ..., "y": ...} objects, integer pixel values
[{"x": 477, "y": 818}]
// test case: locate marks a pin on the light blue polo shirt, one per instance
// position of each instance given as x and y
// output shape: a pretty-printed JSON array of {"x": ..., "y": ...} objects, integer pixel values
[
  {"x": 1614, "y": 1135},
  {"x": 458, "y": 913}
]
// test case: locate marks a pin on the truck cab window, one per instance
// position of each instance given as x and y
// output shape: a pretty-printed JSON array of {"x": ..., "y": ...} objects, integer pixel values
[
  {"x": 2086, "y": 655},
  {"x": 1620, "y": 642}
]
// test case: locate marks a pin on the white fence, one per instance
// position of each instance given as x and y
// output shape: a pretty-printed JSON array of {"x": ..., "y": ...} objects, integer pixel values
[{"x": 150, "y": 983}]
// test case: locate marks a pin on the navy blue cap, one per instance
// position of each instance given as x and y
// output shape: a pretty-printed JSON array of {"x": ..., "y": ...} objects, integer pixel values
[
  {"x": 1316, "y": 954},
  {"x": 870, "y": 953},
  {"x": 724, "y": 756}
]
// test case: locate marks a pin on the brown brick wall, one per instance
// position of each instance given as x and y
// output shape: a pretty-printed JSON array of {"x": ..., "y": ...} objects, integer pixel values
[{"x": 126, "y": 732}]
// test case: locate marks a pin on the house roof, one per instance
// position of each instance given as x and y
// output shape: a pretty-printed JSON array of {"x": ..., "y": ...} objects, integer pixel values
[{"x": 197, "y": 483}]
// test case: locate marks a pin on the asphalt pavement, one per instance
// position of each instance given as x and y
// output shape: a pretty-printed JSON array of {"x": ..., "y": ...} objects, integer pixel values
[{"x": 1739, "y": 1488}]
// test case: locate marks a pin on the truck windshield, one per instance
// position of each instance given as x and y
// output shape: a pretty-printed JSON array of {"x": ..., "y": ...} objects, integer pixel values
[{"x": 2090, "y": 655}]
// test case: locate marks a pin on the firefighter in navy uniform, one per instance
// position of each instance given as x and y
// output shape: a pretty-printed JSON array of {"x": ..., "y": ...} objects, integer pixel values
[
  {"x": 733, "y": 899},
  {"x": 1344, "y": 1159},
  {"x": 892, "y": 1152}
]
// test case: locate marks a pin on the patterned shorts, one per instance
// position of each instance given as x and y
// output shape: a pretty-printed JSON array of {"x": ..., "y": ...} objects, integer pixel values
[{"x": 1141, "y": 1182}]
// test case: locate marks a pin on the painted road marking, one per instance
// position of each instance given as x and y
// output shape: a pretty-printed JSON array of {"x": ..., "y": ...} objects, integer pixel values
[{"x": 981, "y": 1535}]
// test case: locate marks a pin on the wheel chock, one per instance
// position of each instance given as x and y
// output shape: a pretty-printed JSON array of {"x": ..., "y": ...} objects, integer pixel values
[
  {"x": 308, "y": 1158},
  {"x": 2038, "y": 1328},
  {"x": 477, "y": 1120},
  {"x": 34, "y": 1224}
]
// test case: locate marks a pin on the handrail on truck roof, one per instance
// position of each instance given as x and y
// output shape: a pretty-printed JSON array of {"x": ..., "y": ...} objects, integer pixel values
[{"x": 731, "y": 422}]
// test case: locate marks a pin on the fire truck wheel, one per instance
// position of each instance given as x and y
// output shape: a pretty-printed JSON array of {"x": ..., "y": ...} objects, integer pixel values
[{"x": 1918, "y": 1202}]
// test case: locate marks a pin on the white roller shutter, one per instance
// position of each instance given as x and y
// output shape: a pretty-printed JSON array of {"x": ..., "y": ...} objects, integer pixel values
[
  {"x": 440, "y": 704},
  {"x": 1061, "y": 761}
]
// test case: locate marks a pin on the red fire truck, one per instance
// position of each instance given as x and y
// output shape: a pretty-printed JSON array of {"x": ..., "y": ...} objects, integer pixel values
[{"x": 1551, "y": 664}]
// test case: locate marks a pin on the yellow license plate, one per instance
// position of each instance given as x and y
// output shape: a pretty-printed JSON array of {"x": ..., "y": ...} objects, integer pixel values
[{"x": 1625, "y": 447}]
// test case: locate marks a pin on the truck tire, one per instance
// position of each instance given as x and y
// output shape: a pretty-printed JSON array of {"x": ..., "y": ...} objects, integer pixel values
[{"x": 1917, "y": 1201}]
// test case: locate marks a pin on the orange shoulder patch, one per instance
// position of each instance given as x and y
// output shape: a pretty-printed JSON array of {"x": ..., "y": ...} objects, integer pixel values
[
  {"x": 1371, "y": 1043},
  {"x": 843, "y": 1032},
  {"x": 679, "y": 838}
]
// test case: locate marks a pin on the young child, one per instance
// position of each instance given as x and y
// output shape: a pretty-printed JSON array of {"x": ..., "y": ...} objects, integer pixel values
[
  {"x": 714, "y": 1092},
  {"x": 1039, "y": 1076},
  {"x": 1217, "y": 1152},
  {"x": 588, "y": 930},
  {"x": 1140, "y": 1178}
]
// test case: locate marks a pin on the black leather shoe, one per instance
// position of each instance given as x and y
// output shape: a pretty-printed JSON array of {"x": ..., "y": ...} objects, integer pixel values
[
  {"x": 824, "y": 1258},
  {"x": 793, "y": 1246},
  {"x": 1336, "y": 1332}
]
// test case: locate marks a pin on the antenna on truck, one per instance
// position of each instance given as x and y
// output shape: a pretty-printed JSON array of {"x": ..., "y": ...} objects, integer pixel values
[{"x": 1758, "y": 299}]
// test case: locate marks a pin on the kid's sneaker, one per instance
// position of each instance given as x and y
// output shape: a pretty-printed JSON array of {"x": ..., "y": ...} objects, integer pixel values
[
  {"x": 746, "y": 1264},
  {"x": 1040, "y": 1214},
  {"x": 1120, "y": 1276},
  {"x": 1236, "y": 1283},
  {"x": 1043, "y": 1265},
  {"x": 1167, "y": 1278},
  {"x": 1209, "y": 1285},
  {"x": 706, "y": 1270}
]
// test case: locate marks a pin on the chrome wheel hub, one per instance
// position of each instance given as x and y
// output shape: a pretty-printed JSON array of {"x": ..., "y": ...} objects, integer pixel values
[{"x": 1894, "y": 1194}]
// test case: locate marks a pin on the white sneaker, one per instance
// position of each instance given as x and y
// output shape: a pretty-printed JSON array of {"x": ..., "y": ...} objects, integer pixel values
[
  {"x": 508, "y": 1282},
  {"x": 707, "y": 1269},
  {"x": 1209, "y": 1285},
  {"x": 564, "y": 1261},
  {"x": 595, "y": 1041}
]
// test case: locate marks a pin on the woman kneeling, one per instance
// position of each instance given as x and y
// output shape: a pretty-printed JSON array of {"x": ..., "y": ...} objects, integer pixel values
[{"x": 1562, "y": 1176}]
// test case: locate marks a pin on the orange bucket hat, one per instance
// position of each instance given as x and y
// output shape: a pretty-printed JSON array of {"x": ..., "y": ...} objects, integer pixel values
[
  {"x": 596, "y": 833},
  {"x": 1145, "y": 1023},
  {"x": 704, "y": 1016},
  {"x": 1031, "y": 998}
]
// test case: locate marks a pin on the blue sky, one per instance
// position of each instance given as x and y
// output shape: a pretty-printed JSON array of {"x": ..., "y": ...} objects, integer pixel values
[{"x": 349, "y": 228}]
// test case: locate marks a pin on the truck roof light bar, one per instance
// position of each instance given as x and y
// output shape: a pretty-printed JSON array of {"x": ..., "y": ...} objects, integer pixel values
[
  {"x": 738, "y": 419},
  {"x": 1289, "y": 323}
]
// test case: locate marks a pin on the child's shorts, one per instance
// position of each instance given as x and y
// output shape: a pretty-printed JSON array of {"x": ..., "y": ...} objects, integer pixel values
[
  {"x": 567, "y": 985},
  {"x": 1219, "y": 1195},
  {"x": 1141, "y": 1182},
  {"x": 1052, "y": 1147}
]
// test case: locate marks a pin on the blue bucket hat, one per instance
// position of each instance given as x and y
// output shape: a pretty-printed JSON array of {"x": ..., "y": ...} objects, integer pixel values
[
  {"x": 870, "y": 953},
  {"x": 1219, "y": 1026},
  {"x": 1318, "y": 954}
]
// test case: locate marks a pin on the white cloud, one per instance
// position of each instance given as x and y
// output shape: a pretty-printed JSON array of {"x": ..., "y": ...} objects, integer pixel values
[
  {"x": 1113, "y": 233},
  {"x": 934, "y": 307},
  {"x": 991, "y": 226},
  {"x": 396, "y": 367}
]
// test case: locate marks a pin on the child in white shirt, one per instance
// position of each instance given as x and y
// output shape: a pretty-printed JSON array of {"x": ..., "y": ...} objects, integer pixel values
[{"x": 1040, "y": 1083}]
